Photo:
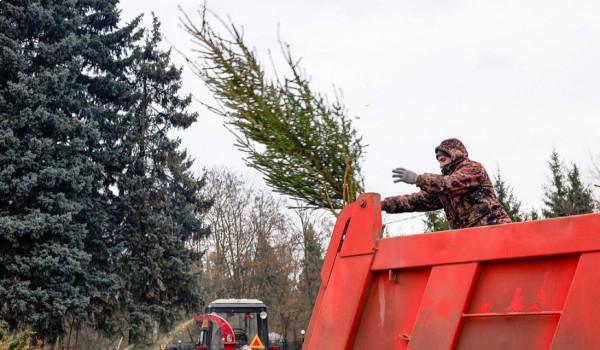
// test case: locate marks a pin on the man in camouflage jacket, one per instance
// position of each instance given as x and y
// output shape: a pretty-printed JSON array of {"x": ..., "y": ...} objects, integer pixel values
[{"x": 464, "y": 190}]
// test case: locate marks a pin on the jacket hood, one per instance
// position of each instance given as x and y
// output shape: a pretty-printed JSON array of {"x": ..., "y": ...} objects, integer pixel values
[{"x": 454, "y": 148}]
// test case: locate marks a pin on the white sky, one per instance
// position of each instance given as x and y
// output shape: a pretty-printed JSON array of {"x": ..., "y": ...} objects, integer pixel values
[{"x": 513, "y": 79}]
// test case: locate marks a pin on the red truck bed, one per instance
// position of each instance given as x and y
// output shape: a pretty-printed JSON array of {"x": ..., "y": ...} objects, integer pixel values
[{"x": 532, "y": 285}]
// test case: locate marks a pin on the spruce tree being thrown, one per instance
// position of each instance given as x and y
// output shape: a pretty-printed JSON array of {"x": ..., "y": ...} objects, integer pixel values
[{"x": 305, "y": 147}]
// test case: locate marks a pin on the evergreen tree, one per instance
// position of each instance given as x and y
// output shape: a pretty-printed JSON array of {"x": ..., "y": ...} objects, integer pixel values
[
  {"x": 312, "y": 261},
  {"x": 106, "y": 51},
  {"x": 565, "y": 195},
  {"x": 158, "y": 200},
  {"x": 556, "y": 193},
  {"x": 532, "y": 215},
  {"x": 505, "y": 196},
  {"x": 304, "y": 146},
  {"x": 436, "y": 221},
  {"x": 579, "y": 196},
  {"x": 53, "y": 53}
]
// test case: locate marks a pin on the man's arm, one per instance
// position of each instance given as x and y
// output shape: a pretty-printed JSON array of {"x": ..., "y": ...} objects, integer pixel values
[{"x": 419, "y": 201}]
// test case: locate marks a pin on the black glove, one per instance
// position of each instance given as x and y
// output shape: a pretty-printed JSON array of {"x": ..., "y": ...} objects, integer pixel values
[{"x": 404, "y": 175}]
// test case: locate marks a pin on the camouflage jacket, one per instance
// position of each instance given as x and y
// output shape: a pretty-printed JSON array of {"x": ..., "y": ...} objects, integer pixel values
[{"x": 464, "y": 191}]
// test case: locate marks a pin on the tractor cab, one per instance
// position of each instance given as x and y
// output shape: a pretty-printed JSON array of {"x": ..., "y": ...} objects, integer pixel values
[{"x": 234, "y": 324}]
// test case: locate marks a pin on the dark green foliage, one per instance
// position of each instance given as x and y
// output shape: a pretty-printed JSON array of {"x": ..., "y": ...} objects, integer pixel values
[
  {"x": 532, "y": 215},
  {"x": 505, "y": 196},
  {"x": 435, "y": 221},
  {"x": 158, "y": 203},
  {"x": 310, "y": 279},
  {"x": 96, "y": 201},
  {"x": 579, "y": 195},
  {"x": 62, "y": 87},
  {"x": 565, "y": 195},
  {"x": 556, "y": 193},
  {"x": 305, "y": 148},
  {"x": 47, "y": 173}
]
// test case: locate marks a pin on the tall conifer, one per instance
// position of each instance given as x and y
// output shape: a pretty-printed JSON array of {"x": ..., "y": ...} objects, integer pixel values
[
  {"x": 158, "y": 202},
  {"x": 565, "y": 195},
  {"x": 507, "y": 198},
  {"x": 53, "y": 56}
]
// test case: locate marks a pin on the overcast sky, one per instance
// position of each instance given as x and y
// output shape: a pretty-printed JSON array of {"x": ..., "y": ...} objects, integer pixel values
[{"x": 512, "y": 79}]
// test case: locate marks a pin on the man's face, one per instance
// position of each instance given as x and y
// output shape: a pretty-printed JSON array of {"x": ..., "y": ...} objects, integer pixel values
[{"x": 443, "y": 160}]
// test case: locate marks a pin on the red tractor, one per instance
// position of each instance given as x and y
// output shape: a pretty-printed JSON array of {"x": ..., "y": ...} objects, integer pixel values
[{"x": 229, "y": 324}]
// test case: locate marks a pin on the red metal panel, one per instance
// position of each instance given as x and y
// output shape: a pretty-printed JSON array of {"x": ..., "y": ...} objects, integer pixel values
[
  {"x": 524, "y": 332},
  {"x": 391, "y": 310},
  {"x": 517, "y": 304},
  {"x": 337, "y": 316},
  {"x": 347, "y": 277},
  {"x": 445, "y": 298},
  {"x": 335, "y": 244},
  {"x": 570, "y": 235},
  {"x": 354, "y": 236},
  {"x": 579, "y": 325},
  {"x": 533, "y": 285}
]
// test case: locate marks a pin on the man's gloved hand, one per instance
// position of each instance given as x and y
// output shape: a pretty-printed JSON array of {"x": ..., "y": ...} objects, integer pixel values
[{"x": 404, "y": 175}]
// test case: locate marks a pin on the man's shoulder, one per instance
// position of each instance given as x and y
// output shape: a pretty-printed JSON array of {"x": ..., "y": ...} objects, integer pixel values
[
  {"x": 470, "y": 163},
  {"x": 470, "y": 168}
]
